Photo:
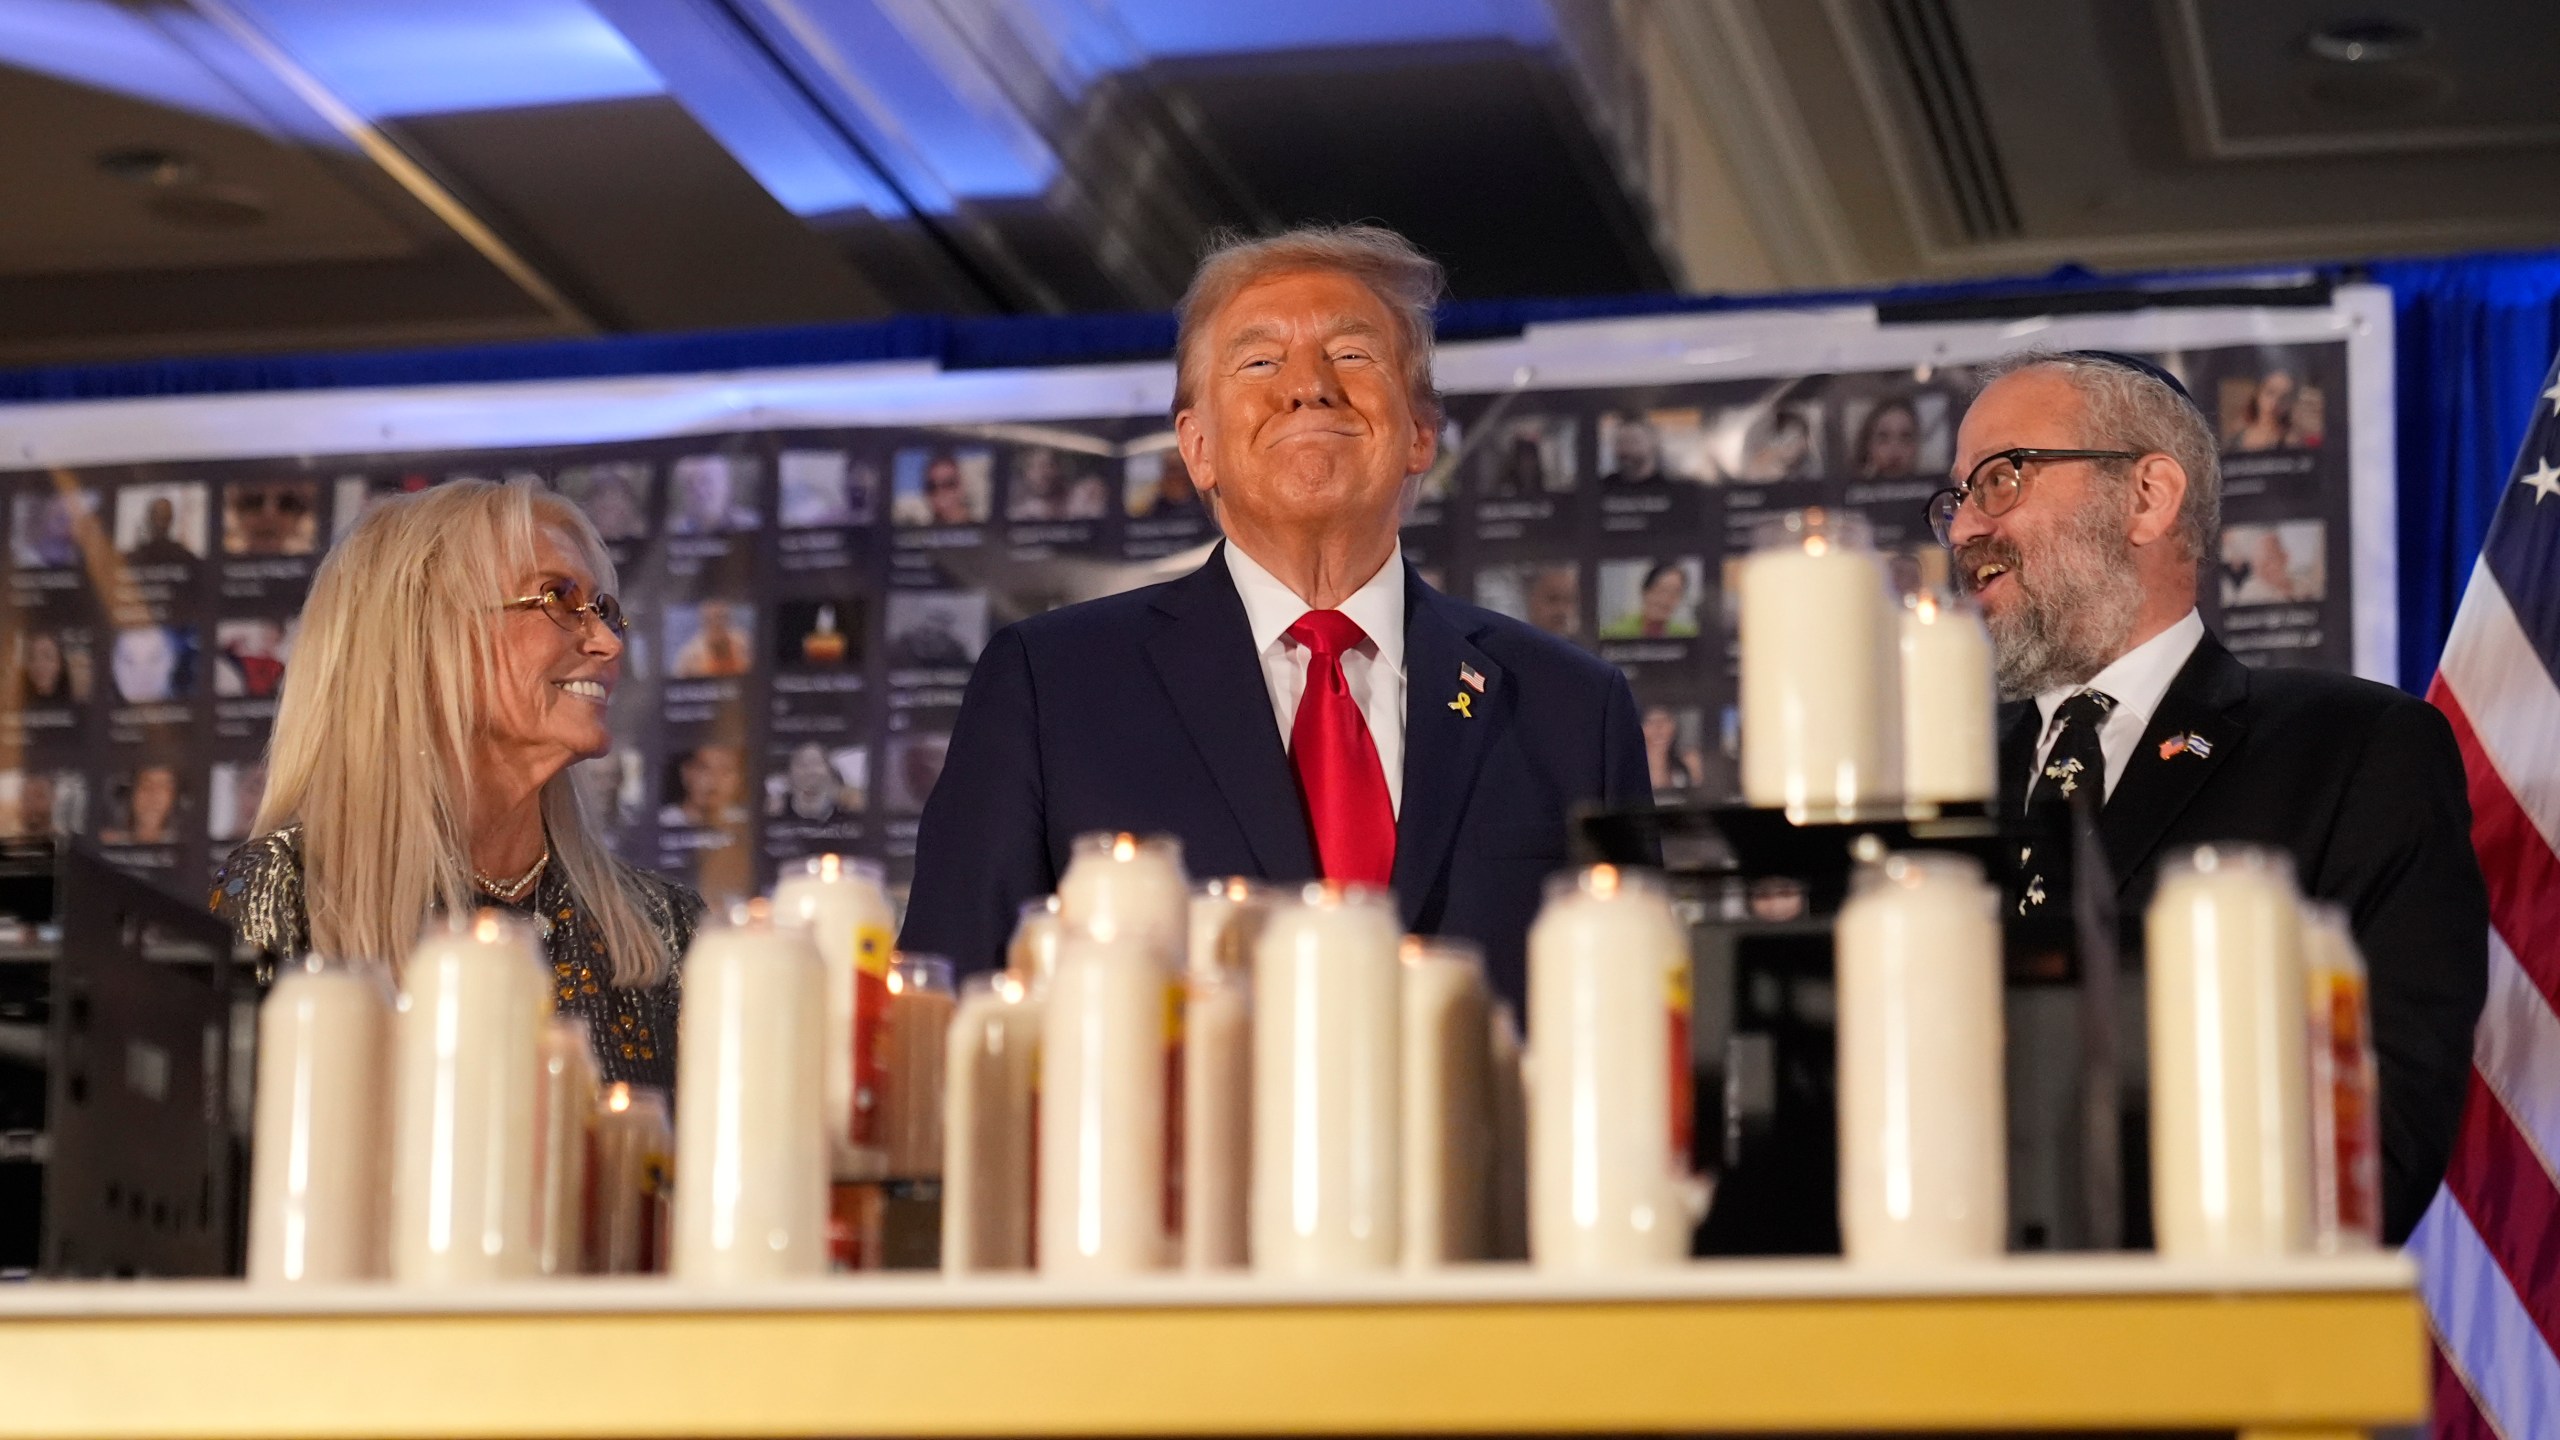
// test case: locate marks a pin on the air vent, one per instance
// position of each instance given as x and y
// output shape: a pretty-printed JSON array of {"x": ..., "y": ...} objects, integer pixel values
[{"x": 1942, "y": 88}]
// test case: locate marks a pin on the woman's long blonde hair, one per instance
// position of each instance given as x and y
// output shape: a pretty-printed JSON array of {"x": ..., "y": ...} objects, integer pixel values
[{"x": 381, "y": 713}]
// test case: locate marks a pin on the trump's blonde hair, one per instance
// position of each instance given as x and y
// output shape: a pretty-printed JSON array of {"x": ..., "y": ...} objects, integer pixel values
[{"x": 382, "y": 712}]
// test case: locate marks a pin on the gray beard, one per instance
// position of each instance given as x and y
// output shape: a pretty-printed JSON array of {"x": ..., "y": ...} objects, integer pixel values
[{"x": 2076, "y": 608}]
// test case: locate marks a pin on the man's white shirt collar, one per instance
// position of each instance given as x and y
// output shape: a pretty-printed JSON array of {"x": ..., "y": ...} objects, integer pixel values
[
  {"x": 2138, "y": 678},
  {"x": 1271, "y": 607}
]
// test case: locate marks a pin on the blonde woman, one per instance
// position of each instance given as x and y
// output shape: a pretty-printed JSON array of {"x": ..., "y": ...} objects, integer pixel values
[{"x": 456, "y": 656}]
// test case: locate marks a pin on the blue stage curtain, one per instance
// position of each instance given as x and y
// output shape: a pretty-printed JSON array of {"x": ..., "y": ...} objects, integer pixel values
[{"x": 2475, "y": 337}]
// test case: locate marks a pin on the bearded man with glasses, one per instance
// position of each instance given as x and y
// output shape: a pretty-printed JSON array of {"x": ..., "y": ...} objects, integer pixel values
[{"x": 2086, "y": 499}]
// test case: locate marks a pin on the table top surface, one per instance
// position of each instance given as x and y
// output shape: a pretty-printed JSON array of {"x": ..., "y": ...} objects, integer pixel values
[{"x": 2122, "y": 1341}]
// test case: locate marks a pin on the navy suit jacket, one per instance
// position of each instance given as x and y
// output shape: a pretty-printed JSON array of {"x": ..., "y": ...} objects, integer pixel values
[{"x": 1148, "y": 712}]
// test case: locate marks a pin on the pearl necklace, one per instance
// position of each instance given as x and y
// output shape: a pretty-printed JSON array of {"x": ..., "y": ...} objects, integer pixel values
[{"x": 514, "y": 890}]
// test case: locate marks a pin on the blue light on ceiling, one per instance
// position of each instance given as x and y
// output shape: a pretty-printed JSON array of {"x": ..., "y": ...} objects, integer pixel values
[
  {"x": 1171, "y": 29},
  {"x": 435, "y": 57},
  {"x": 102, "y": 45}
]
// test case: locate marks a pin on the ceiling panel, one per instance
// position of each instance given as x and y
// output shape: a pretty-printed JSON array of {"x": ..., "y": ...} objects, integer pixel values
[{"x": 252, "y": 201}]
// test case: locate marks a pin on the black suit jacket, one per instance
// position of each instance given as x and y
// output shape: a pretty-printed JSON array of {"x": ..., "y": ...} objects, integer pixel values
[
  {"x": 1148, "y": 711},
  {"x": 2364, "y": 785}
]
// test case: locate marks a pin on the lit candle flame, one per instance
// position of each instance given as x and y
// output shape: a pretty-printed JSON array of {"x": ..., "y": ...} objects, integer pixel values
[
  {"x": 1124, "y": 846},
  {"x": 486, "y": 927},
  {"x": 830, "y": 867},
  {"x": 1604, "y": 881},
  {"x": 618, "y": 1099}
]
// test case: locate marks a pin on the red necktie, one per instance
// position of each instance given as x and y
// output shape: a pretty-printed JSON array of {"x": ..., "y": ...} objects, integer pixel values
[{"x": 1337, "y": 762}]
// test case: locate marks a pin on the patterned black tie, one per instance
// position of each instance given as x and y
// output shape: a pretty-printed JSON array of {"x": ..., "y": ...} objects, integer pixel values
[{"x": 2074, "y": 772}]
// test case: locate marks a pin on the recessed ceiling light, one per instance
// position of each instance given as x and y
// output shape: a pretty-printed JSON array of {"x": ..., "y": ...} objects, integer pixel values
[
  {"x": 149, "y": 165},
  {"x": 2367, "y": 40}
]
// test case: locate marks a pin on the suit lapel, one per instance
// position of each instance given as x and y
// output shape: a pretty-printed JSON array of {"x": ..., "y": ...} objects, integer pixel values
[
  {"x": 2168, "y": 768},
  {"x": 1206, "y": 660},
  {"x": 1443, "y": 747}
]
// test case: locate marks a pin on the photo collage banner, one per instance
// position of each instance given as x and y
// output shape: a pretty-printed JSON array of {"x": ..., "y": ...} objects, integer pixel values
[{"x": 807, "y": 602}]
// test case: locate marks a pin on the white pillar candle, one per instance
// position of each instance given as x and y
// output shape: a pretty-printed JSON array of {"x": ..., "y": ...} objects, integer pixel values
[
  {"x": 1217, "y": 1072},
  {"x": 320, "y": 1153},
  {"x": 1328, "y": 1158},
  {"x": 987, "y": 1126},
  {"x": 1820, "y": 713},
  {"x": 751, "y": 1157},
  {"x": 1032, "y": 955},
  {"x": 1508, "y": 1238},
  {"x": 1226, "y": 919},
  {"x": 845, "y": 904},
  {"x": 2346, "y": 1143},
  {"x": 1923, "y": 1128},
  {"x": 1132, "y": 885},
  {"x": 1448, "y": 1104},
  {"x": 1609, "y": 1184},
  {"x": 1950, "y": 740},
  {"x": 913, "y": 1045},
  {"x": 1108, "y": 1200},
  {"x": 2230, "y": 1113},
  {"x": 567, "y": 1129},
  {"x": 467, "y": 1058},
  {"x": 634, "y": 1181}
]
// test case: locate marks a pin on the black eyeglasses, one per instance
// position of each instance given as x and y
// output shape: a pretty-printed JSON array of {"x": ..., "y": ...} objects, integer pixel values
[
  {"x": 561, "y": 604},
  {"x": 1997, "y": 482}
]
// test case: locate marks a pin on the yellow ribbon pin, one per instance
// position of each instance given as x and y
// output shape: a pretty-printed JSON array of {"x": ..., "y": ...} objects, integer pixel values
[{"x": 1460, "y": 705}]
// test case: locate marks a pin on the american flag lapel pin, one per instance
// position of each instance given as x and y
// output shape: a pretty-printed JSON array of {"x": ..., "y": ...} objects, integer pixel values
[
  {"x": 1470, "y": 677},
  {"x": 2189, "y": 743}
]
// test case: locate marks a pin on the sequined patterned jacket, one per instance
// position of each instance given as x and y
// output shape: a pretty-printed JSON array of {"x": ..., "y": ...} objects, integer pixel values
[{"x": 259, "y": 890}]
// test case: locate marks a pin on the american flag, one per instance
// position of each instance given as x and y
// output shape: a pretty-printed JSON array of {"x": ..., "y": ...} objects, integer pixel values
[{"x": 2489, "y": 1248}]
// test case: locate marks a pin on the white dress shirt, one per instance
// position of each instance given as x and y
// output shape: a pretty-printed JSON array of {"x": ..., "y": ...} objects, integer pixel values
[
  {"x": 2137, "y": 680},
  {"x": 1374, "y": 669}
]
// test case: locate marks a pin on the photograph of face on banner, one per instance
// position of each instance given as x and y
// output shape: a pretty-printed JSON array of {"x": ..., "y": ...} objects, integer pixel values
[
  {"x": 816, "y": 783},
  {"x": 714, "y": 494},
  {"x": 941, "y": 485},
  {"x": 1770, "y": 441},
  {"x": 55, "y": 666},
  {"x": 159, "y": 525},
  {"x": 1675, "y": 750},
  {"x": 823, "y": 488},
  {"x": 1545, "y": 593},
  {"x": 1527, "y": 456},
  {"x": 1048, "y": 483},
  {"x": 2280, "y": 564},
  {"x": 2275, "y": 406},
  {"x": 153, "y": 664},
  {"x": 45, "y": 524},
  {"x": 1899, "y": 435},
  {"x": 704, "y": 788},
  {"x": 1648, "y": 447},
  {"x": 36, "y": 803},
  {"x": 270, "y": 517},
  {"x": 249, "y": 656},
  {"x": 613, "y": 493},
  {"x": 712, "y": 640},
  {"x": 145, "y": 807},
  {"x": 1156, "y": 485},
  {"x": 1651, "y": 599}
]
